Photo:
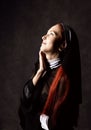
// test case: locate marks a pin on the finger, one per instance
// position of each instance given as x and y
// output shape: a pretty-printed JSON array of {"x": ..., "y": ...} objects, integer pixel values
[{"x": 42, "y": 59}]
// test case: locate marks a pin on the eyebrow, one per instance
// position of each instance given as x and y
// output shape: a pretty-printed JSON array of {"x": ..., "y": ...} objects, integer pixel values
[{"x": 52, "y": 31}]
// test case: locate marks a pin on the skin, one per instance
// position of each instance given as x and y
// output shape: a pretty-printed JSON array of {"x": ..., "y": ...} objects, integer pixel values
[{"x": 49, "y": 49}]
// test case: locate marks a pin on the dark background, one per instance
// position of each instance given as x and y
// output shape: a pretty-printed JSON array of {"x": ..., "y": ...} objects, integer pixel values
[{"x": 22, "y": 23}]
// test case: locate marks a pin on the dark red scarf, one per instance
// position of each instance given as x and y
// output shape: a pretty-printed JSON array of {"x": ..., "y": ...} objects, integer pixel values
[{"x": 51, "y": 106}]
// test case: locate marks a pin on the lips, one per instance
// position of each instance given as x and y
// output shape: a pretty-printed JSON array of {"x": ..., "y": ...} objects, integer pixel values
[{"x": 43, "y": 43}]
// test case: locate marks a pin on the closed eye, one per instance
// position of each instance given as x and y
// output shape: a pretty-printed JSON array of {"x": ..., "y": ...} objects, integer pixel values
[{"x": 51, "y": 33}]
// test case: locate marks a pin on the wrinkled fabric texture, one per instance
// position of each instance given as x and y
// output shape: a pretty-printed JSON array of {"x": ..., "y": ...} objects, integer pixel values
[{"x": 33, "y": 101}]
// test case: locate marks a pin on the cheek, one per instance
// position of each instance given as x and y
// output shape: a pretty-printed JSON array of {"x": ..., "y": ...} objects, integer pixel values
[{"x": 52, "y": 44}]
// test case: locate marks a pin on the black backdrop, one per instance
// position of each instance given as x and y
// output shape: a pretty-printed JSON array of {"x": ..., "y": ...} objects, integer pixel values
[{"x": 22, "y": 23}]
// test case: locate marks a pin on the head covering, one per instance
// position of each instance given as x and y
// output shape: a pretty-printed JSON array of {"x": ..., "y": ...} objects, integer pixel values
[
  {"x": 67, "y": 33},
  {"x": 72, "y": 63}
]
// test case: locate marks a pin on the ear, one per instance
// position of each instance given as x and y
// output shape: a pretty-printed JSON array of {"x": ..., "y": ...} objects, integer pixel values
[{"x": 63, "y": 45}]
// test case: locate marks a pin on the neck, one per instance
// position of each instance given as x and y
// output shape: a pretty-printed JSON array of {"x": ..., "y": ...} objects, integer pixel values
[{"x": 52, "y": 56}]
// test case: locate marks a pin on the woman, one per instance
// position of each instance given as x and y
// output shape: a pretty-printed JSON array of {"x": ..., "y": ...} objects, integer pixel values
[{"x": 52, "y": 96}]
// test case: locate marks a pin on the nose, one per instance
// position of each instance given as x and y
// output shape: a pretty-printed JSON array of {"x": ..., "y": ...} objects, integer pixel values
[{"x": 44, "y": 37}]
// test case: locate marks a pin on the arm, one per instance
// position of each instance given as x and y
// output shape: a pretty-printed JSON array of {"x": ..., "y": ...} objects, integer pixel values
[
  {"x": 32, "y": 83},
  {"x": 30, "y": 88}
]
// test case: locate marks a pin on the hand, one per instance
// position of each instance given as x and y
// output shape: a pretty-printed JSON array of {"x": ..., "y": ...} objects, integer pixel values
[
  {"x": 44, "y": 121},
  {"x": 42, "y": 67},
  {"x": 42, "y": 61}
]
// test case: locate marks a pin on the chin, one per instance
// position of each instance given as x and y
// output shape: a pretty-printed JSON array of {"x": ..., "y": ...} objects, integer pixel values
[{"x": 42, "y": 49}]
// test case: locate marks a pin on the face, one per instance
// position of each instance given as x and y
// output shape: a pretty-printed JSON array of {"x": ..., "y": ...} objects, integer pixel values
[{"x": 51, "y": 41}]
